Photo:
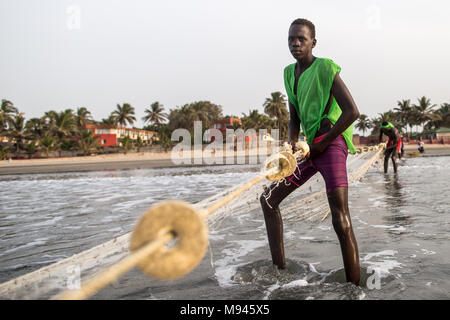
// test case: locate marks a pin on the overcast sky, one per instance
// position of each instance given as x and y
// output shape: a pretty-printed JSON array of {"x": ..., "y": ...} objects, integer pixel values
[{"x": 58, "y": 54}]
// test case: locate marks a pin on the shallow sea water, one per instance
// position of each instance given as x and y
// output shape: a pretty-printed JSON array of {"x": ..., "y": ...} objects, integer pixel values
[{"x": 401, "y": 223}]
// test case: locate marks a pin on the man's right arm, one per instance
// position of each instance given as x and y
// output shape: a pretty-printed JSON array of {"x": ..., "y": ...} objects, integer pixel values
[
  {"x": 381, "y": 136},
  {"x": 294, "y": 125}
]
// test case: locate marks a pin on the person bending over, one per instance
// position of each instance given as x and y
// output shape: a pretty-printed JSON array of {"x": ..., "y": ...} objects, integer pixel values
[
  {"x": 393, "y": 145},
  {"x": 320, "y": 102}
]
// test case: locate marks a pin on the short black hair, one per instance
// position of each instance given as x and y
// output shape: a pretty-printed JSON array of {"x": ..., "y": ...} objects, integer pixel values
[
  {"x": 309, "y": 24},
  {"x": 384, "y": 123}
]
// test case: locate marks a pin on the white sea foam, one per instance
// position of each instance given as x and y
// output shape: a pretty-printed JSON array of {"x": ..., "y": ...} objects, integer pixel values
[
  {"x": 225, "y": 268},
  {"x": 384, "y": 265},
  {"x": 390, "y": 228},
  {"x": 360, "y": 220},
  {"x": 376, "y": 198},
  {"x": 295, "y": 283},
  {"x": 381, "y": 253},
  {"x": 36, "y": 242},
  {"x": 72, "y": 227},
  {"x": 269, "y": 290},
  {"x": 377, "y": 204},
  {"x": 289, "y": 234},
  {"x": 427, "y": 252},
  {"x": 401, "y": 228},
  {"x": 46, "y": 222}
]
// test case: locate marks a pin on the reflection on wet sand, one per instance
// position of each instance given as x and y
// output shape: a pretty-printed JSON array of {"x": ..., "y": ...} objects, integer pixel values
[{"x": 396, "y": 201}]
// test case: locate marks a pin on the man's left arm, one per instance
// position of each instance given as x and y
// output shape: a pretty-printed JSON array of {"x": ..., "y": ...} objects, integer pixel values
[
  {"x": 396, "y": 137},
  {"x": 349, "y": 114}
]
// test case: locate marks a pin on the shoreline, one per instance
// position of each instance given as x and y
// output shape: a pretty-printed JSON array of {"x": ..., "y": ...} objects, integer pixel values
[
  {"x": 134, "y": 161},
  {"x": 120, "y": 162}
]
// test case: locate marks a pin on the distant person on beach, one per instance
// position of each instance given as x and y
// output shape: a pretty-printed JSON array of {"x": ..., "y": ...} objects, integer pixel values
[
  {"x": 320, "y": 102},
  {"x": 420, "y": 146},
  {"x": 393, "y": 145}
]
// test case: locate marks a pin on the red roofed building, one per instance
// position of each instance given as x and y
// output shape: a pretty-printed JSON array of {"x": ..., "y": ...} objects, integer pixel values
[
  {"x": 225, "y": 124},
  {"x": 109, "y": 135}
]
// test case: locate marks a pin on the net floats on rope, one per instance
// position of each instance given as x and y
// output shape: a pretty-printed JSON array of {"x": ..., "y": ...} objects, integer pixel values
[
  {"x": 188, "y": 227},
  {"x": 189, "y": 231},
  {"x": 171, "y": 238}
]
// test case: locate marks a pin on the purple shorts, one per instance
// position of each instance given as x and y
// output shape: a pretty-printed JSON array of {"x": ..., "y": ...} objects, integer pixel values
[{"x": 332, "y": 165}]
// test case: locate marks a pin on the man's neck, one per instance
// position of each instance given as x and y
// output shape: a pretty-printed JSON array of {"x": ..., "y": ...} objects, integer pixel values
[{"x": 305, "y": 62}]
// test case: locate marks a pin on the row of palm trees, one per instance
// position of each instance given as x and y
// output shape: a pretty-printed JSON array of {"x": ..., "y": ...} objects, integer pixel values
[
  {"x": 59, "y": 131},
  {"x": 424, "y": 116},
  {"x": 66, "y": 130}
]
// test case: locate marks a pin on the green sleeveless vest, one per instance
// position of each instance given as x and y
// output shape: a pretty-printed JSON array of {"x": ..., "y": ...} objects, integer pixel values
[{"x": 313, "y": 93}]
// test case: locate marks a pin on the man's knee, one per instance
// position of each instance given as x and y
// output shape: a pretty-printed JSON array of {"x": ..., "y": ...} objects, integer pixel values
[
  {"x": 341, "y": 223},
  {"x": 263, "y": 199}
]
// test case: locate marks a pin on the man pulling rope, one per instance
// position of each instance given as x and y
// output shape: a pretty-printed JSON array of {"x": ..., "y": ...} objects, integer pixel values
[{"x": 322, "y": 104}]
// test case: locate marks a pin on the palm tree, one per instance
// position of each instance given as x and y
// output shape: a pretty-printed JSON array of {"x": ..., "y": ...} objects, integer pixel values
[
  {"x": 165, "y": 140},
  {"x": 413, "y": 119},
  {"x": 48, "y": 144},
  {"x": 110, "y": 121},
  {"x": 31, "y": 148},
  {"x": 49, "y": 118},
  {"x": 34, "y": 128},
  {"x": 387, "y": 116},
  {"x": 83, "y": 117},
  {"x": 204, "y": 111},
  {"x": 275, "y": 107},
  {"x": 126, "y": 143},
  {"x": 155, "y": 114},
  {"x": 441, "y": 117},
  {"x": 67, "y": 145},
  {"x": 16, "y": 132},
  {"x": 4, "y": 153},
  {"x": 236, "y": 125},
  {"x": 181, "y": 117},
  {"x": 124, "y": 114},
  {"x": 138, "y": 143},
  {"x": 256, "y": 120},
  {"x": 87, "y": 141},
  {"x": 404, "y": 110},
  {"x": 444, "y": 113},
  {"x": 363, "y": 123},
  {"x": 375, "y": 124},
  {"x": 7, "y": 112},
  {"x": 64, "y": 125},
  {"x": 425, "y": 110}
]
